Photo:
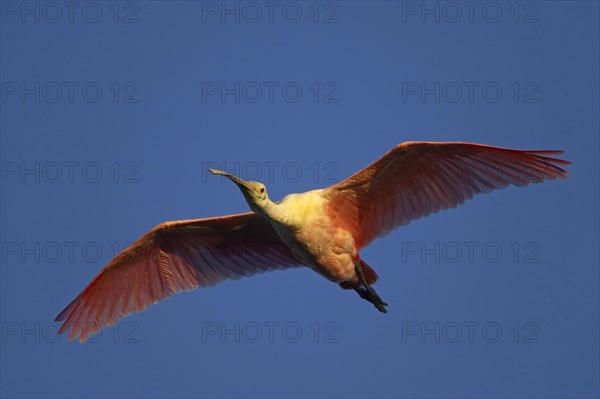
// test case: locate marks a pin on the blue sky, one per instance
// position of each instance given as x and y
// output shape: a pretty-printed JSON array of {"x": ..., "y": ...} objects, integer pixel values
[{"x": 111, "y": 114}]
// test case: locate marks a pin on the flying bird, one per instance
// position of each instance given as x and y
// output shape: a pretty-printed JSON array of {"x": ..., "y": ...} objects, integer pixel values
[{"x": 323, "y": 229}]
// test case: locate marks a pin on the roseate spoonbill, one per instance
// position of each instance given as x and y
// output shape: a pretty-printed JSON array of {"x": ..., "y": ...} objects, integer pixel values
[{"x": 323, "y": 229}]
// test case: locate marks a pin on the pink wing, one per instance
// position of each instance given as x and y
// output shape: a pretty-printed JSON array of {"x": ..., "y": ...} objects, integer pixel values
[
  {"x": 173, "y": 257},
  {"x": 416, "y": 179}
]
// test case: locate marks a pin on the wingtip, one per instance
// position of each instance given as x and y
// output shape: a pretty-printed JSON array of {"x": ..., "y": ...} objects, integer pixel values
[{"x": 62, "y": 315}]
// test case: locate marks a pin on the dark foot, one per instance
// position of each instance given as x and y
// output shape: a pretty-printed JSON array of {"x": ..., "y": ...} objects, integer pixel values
[
  {"x": 367, "y": 292},
  {"x": 370, "y": 295}
]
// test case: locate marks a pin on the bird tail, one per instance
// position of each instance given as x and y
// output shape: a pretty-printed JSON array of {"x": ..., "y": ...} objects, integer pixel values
[{"x": 370, "y": 275}]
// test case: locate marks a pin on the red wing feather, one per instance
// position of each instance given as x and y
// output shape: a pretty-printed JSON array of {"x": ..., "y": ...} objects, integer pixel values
[
  {"x": 173, "y": 257},
  {"x": 416, "y": 179}
]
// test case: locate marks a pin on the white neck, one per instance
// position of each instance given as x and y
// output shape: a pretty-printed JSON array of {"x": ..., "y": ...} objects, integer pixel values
[{"x": 270, "y": 210}]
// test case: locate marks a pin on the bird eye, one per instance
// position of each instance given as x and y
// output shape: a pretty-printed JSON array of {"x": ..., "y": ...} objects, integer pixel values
[{"x": 262, "y": 190}]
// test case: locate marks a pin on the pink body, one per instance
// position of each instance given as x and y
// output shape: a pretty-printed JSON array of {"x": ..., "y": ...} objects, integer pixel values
[{"x": 323, "y": 229}]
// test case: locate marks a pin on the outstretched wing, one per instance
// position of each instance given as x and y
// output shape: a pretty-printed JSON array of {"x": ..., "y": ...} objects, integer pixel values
[
  {"x": 416, "y": 179},
  {"x": 173, "y": 257}
]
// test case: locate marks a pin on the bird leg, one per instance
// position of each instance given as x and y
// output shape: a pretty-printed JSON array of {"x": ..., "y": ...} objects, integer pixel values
[{"x": 367, "y": 292}]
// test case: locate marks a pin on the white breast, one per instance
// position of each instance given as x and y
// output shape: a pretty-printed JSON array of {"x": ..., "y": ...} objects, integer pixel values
[
  {"x": 298, "y": 209},
  {"x": 305, "y": 227}
]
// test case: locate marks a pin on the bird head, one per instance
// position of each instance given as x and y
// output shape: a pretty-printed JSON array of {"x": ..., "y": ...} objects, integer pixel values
[{"x": 254, "y": 192}]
